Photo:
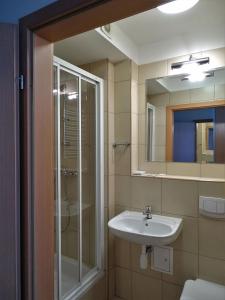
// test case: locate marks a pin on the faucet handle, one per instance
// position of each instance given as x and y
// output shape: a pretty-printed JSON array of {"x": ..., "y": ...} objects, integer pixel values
[{"x": 147, "y": 209}]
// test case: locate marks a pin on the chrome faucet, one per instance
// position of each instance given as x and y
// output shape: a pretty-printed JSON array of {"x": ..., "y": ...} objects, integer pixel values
[{"x": 148, "y": 212}]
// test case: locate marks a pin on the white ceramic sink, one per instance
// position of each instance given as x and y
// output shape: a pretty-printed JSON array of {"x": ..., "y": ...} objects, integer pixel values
[{"x": 134, "y": 227}]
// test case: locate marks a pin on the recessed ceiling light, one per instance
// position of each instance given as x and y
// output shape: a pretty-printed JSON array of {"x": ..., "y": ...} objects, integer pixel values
[{"x": 177, "y": 6}]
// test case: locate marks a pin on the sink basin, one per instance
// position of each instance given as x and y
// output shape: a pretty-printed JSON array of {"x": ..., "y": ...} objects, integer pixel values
[{"x": 134, "y": 227}]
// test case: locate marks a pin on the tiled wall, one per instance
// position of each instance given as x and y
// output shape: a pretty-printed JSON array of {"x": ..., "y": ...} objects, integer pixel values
[
  {"x": 200, "y": 249},
  {"x": 162, "y": 69},
  {"x": 198, "y": 252}
]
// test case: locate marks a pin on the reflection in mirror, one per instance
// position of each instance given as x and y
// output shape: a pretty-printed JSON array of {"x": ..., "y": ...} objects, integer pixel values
[{"x": 185, "y": 120}]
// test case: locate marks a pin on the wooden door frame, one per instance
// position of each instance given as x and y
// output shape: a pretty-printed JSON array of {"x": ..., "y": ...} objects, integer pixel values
[
  {"x": 170, "y": 120},
  {"x": 62, "y": 19}
]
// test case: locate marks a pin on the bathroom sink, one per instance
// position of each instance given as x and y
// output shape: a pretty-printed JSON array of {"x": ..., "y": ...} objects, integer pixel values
[{"x": 134, "y": 227}]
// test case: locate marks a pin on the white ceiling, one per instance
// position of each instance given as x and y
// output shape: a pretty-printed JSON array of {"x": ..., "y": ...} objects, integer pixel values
[
  {"x": 151, "y": 36},
  {"x": 160, "y": 36},
  {"x": 86, "y": 48}
]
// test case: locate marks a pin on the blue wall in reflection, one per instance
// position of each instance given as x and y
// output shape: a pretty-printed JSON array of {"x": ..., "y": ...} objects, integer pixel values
[{"x": 185, "y": 133}]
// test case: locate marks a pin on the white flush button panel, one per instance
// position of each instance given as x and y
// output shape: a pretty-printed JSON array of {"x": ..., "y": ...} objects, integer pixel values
[
  {"x": 212, "y": 207},
  {"x": 162, "y": 259}
]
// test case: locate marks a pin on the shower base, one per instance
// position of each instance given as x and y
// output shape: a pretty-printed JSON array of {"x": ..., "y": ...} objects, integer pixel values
[{"x": 70, "y": 275}]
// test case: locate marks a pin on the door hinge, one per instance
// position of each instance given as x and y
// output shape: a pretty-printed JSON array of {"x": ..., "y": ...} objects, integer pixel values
[{"x": 21, "y": 82}]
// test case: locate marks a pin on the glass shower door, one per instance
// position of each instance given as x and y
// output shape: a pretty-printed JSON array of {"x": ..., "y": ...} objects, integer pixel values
[
  {"x": 78, "y": 179},
  {"x": 68, "y": 190},
  {"x": 88, "y": 133}
]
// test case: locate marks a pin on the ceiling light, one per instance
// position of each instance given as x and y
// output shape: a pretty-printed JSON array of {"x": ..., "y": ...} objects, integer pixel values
[
  {"x": 177, "y": 6},
  {"x": 192, "y": 61},
  {"x": 196, "y": 76}
]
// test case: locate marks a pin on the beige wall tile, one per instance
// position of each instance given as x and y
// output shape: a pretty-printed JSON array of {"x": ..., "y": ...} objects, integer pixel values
[
  {"x": 171, "y": 291},
  {"x": 161, "y": 100},
  {"x": 134, "y": 129},
  {"x": 135, "y": 263},
  {"x": 111, "y": 128},
  {"x": 111, "y": 96},
  {"x": 111, "y": 160},
  {"x": 217, "y": 58},
  {"x": 100, "y": 69},
  {"x": 86, "y": 67},
  {"x": 160, "y": 135},
  {"x": 213, "y": 189},
  {"x": 119, "y": 209},
  {"x": 146, "y": 288},
  {"x": 141, "y": 98},
  {"x": 123, "y": 283},
  {"x": 184, "y": 169},
  {"x": 123, "y": 161},
  {"x": 123, "y": 96},
  {"x": 106, "y": 191},
  {"x": 153, "y": 167},
  {"x": 146, "y": 191},
  {"x": 141, "y": 129},
  {"x": 180, "y": 97},
  {"x": 134, "y": 158},
  {"x": 122, "y": 253},
  {"x": 185, "y": 267},
  {"x": 153, "y": 70},
  {"x": 142, "y": 157},
  {"x": 123, "y": 191},
  {"x": 134, "y": 97},
  {"x": 123, "y": 127},
  {"x": 188, "y": 238},
  {"x": 105, "y": 95},
  {"x": 111, "y": 279},
  {"x": 219, "y": 91},
  {"x": 111, "y": 190},
  {"x": 160, "y": 115},
  {"x": 211, "y": 238},
  {"x": 122, "y": 70},
  {"x": 97, "y": 292},
  {"x": 212, "y": 269},
  {"x": 160, "y": 153},
  {"x": 111, "y": 71},
  {"x": 180, "y": 197},
  {"x": 213, "y": 170},
  {"x": 202, "y": 94},
  {"x": 111, "y": 251},
  {"x": 134, "y": 71}
]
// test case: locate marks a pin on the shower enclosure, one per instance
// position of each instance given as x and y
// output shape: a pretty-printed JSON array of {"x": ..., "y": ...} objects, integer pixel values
[{"x": 79, "y": 179}]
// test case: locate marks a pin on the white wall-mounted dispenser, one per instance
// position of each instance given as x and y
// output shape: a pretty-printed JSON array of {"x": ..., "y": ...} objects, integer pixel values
[{"x": 212, "y": 207}]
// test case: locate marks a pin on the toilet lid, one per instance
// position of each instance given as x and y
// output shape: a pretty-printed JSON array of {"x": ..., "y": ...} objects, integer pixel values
[{"x": 202, "y": 290}]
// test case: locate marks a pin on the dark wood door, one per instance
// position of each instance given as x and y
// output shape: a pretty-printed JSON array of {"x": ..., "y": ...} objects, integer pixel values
[
  {"x": 220, "y": 135},
  {"x": 9, "y": 165}
]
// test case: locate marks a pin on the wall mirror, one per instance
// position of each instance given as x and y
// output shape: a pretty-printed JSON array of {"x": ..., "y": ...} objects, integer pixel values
[{"x": 185, "y": 118}]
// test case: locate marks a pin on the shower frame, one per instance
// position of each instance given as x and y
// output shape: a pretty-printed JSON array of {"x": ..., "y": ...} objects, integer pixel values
[{"x": 95, "y": 273}]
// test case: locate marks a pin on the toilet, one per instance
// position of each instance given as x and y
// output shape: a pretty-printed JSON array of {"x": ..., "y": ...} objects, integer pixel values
[{"x": 202, "y": 290}]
